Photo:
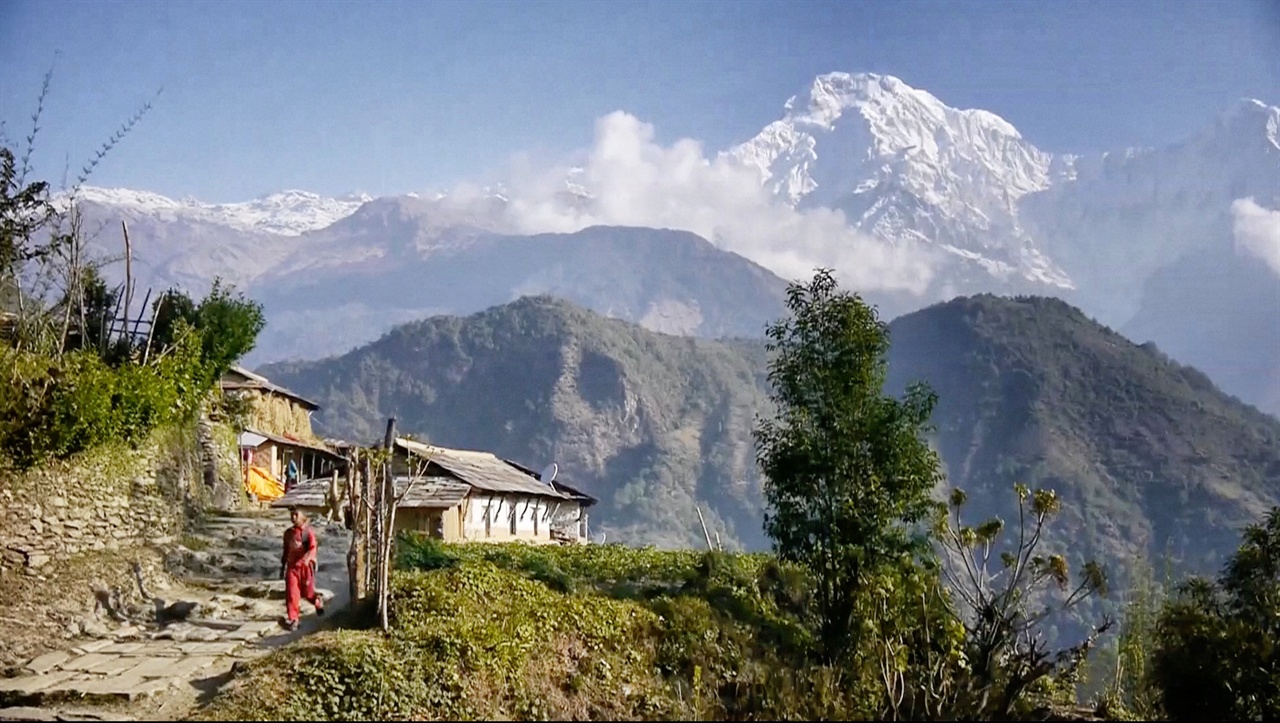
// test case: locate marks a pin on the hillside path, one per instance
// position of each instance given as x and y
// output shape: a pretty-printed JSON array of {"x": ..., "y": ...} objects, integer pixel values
[{"x": 230, "y": 566}]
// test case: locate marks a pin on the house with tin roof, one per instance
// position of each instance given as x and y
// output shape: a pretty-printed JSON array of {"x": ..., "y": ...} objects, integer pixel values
[{"x": 458, "y": 495}]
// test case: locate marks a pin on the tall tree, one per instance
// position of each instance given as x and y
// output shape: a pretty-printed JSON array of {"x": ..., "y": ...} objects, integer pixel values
[{"x": 847, "y": 469}]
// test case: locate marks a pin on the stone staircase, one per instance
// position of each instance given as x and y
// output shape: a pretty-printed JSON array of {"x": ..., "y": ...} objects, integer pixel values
[{"x": 229, "y": 568}]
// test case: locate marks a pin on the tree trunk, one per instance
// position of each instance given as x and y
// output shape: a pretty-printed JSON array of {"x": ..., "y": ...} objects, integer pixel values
[{"x": 208, "y": 450}]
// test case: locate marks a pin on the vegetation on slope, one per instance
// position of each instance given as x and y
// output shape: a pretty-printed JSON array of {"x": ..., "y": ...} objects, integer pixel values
[
  {"x": 1149, "y": 458},
  {"x": 648, "y": 423},
  {"x": 75, "y": 374},
  {"x": 604, "y": 632},
  {"x": 832, "y": 626}
]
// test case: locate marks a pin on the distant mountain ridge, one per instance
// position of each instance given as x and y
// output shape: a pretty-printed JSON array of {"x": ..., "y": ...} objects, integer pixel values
[
  {"x": 1150, "y": 455},
  {"x": 897, "y": 162}
]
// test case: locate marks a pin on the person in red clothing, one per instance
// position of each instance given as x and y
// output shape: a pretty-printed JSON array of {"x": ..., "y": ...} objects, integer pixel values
[{"x": 298, "y": 568}]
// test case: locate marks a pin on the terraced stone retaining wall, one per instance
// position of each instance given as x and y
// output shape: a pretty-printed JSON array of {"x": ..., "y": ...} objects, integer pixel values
[{"x": 106, "y": 498}]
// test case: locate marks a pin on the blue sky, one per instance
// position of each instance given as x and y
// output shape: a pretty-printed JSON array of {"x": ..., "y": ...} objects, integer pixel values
[{"x": 393, "y": 96}]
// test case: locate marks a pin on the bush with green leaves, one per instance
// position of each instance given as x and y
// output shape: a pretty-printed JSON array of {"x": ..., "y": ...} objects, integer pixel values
[
  {"x": 53, "y": 407},
  {"x": 1217, "y": 647},
  {"x": 735, "y": 632},
  {"x": 229, "y": 324},
  {"x": 1006, "y": 593}
]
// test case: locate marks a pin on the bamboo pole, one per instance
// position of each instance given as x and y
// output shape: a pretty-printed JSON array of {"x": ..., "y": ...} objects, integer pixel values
[
  {"x": 704, "y": 526},
  {"x": 151, "y": 328},
  {"x": 128, "y": 273}
]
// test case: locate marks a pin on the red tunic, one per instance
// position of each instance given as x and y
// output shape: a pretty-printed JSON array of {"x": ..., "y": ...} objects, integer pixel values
[{"x": 299, "y": 545}]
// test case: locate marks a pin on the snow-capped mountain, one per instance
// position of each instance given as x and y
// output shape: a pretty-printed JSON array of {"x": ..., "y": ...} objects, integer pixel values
[
  {"x": 898, "y": 162},
  {"x": 905, "y": 167},
  {"x": 1126, "y": 215},
  {"x": 287, "y": 213}
]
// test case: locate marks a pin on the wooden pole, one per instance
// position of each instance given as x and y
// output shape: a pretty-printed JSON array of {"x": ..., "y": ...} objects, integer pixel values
[
  {"x": 355, "y": 555},
  {"x": 128, "y": 273},
  {"x": 335, "y": 513},
  {"x": 109, "y": 327},
  {"x": 370, "y": 521},
  {"x": 389, "y": 441},
  {"x": 151, "y": 328},
  {"x": 704, "y": 526},
  {"x": 387, "y": 511}
]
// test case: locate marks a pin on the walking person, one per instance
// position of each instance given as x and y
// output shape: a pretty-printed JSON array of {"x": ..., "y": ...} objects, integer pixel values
[
  {"x": 298, "y": 568},
  {"x": 290, "y": 476}
]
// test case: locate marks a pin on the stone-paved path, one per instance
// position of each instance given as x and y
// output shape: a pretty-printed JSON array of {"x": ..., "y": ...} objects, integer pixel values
[{"x": 234, "y": 578}]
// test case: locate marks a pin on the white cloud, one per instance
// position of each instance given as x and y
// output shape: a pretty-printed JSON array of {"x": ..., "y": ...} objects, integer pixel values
[
  {"x": 1257, "y": 231},
  {"x": 638, "y": 182}
]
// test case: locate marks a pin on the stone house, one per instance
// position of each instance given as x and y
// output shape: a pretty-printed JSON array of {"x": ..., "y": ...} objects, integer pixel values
[
  {"x": 462, "y": 495},
  {"x": 278, "y": 431}
]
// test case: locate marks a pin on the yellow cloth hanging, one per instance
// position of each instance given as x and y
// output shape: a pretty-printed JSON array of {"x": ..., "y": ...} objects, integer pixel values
[{"x": 264, "y": 486}]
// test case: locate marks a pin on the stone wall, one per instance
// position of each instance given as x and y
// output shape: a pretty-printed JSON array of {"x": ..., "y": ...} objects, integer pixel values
[{"x": 106, "y": 498}]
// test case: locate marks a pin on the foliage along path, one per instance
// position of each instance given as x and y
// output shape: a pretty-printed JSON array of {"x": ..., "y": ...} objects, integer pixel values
[{"x": 152, "y": 672}]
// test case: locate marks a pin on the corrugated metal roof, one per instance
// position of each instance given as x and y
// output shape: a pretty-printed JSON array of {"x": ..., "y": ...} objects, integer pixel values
[
  {"x": 481, "y": 470},
  {"x": 441, "y": 492},
  {"x": 308, "y": 493}
]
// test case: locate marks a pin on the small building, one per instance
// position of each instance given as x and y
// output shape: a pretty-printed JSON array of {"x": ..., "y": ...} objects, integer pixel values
[
  {"x": 275, "y": 410},
  {"x": 278, "y": 432},
  {"x": 273, "y": 452},
  {"x": 463, "y": 495}
]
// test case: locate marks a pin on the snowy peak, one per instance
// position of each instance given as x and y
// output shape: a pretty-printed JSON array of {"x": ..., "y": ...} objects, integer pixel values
[
  {"x": 1249, "y": 118},
  {"x": 287, "y": 213},
  {"x": 832, "y": 94},
  {"x": 905, "y": 167},
  {"x": 849, "y": 134}
]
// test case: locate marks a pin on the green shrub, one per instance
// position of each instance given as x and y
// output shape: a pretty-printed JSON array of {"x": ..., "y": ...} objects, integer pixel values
[
  {"x": 53, "y": 407},
  {"x": 419, "y": 552},
  {"x": 337, "y": 676}
]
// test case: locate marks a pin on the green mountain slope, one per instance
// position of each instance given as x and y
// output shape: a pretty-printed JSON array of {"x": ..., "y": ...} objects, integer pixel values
[
  {"x": 1148, "y": 455},
  {"x": 646, "y": 422}
]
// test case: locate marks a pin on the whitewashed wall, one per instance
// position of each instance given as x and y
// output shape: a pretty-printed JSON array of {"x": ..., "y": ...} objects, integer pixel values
[{"x": 532, "y": 516}]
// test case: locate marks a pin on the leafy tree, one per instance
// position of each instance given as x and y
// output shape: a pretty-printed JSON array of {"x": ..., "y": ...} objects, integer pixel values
[
  {"x": 229, "y": 324},
  {"x": 24, "y": 209},
  {"x": 847, "y": 468},
  {"x": 1217, "y": 655}
]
